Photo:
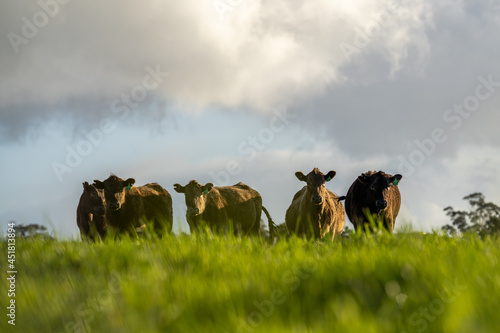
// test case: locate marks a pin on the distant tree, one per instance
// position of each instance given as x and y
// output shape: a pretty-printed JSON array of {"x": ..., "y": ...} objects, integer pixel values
[
  {"x": 483, "y": 217},
  {"x": 347, "y": 232},
  {"x": 31, "y": 230}
]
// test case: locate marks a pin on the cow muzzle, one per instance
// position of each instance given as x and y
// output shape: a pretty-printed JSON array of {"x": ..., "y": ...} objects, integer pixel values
[
  {"x": 193, "y": 211},
  {"x": 317, "y": 199},
  {"x": 381, "y": 204},
  {"x": 114, "y": 205}
]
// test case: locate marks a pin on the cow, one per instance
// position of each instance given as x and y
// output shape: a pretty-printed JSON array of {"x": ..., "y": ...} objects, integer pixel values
[
  {"x": 315, "y": 210},
  {"x": 220, "y": 206},
  {"x": 129, "y": 207},
  {"x": 90, "y": 213},
  {"x": 376, "y": 194}
]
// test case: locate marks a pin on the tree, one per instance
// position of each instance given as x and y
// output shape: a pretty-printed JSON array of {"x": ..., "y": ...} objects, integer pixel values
[
  {"x": 483, "y": 217},
  {"x": 31, "y": 230}
]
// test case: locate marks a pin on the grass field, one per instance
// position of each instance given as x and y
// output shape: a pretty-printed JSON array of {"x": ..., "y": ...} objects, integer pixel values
[{"x": 406, "y": 282}]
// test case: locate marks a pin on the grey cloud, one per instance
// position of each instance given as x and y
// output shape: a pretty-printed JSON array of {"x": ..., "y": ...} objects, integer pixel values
[
  {"x": 393, "y": 90},
  {"x": 265, "y": 54},
  {"x": 376, "y": 112}
]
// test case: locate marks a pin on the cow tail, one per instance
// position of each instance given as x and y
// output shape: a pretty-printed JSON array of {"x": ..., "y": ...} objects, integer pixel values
[{"x": 271, "y": 224}]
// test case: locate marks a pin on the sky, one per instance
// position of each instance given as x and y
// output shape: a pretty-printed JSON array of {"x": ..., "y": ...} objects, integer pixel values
[{"x": 227, "y": 91}]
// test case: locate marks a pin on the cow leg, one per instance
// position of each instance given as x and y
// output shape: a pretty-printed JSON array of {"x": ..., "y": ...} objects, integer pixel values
[{"x": 256, "y": 226}]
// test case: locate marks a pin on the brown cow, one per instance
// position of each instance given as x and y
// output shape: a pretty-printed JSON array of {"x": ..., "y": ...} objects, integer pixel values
[
  {"x": 218, "y": 207},
  {"x": 315, "y": 210},
  {"x": 90, "y": 212},
  {"x": 129, "y": 207},
  {"x": 375, "y": 193}
]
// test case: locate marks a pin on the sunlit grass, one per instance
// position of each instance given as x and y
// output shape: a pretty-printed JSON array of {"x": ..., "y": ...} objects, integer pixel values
[{"x": 209, "y": 283}]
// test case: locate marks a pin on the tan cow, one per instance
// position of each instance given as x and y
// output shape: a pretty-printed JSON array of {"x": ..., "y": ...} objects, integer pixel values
[
  {"x": 220, "y": 208},
  {"x": 129, "y": 207},
  {"x": 315, "y": 210}
]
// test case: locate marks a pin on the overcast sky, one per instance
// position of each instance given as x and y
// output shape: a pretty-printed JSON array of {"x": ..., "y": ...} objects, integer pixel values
[{"x": 228, "y": 91}]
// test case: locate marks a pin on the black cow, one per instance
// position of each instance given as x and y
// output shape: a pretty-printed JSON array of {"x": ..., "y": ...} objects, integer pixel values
[
  {"x": 374, "y": 193},
  {"x": 90, "y": 213}
]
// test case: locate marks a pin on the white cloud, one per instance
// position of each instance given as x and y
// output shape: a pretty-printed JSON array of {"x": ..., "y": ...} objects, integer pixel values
[{"x": 264, "y": 55}]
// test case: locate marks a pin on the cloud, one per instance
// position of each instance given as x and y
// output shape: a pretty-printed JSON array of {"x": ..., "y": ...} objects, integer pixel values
[
  {"x": 263, "y": 55},
  {"x": 394, "y": 95},
  {"x": 374, "y": 78}
]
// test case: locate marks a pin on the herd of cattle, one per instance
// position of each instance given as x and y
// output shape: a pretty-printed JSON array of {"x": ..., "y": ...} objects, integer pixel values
[{"x": 315, "y": 211}]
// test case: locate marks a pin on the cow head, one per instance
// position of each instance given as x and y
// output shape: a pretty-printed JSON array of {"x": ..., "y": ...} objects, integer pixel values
[
  {"x": 93, "y": 201},
  {"x": 316, "y": 184},
  {"x": 196, "y": 196},
  {"x": 376, "y": 186},
  {"x": 114, "y": 190}
]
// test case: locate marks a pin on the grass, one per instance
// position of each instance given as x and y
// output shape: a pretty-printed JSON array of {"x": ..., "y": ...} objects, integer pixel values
[{"x": 406, "y": 282}]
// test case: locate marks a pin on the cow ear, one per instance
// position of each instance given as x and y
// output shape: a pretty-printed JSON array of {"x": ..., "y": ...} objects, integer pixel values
[
  {"x": 128, "y": 182},
  {"x": 179, "y": 188},
  {"x": 300, "y": 176},
  {"x": 329, "y": 176},
  {"x": 98, "y": 184},
  {"x": 396, "y": 179},
  {"x": 207, "y": 187},
  {"x": 85, "y": 185}
]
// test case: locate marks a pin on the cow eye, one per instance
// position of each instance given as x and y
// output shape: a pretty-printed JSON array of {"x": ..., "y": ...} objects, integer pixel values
[
  {"x": 93, "y": 194},
  {"x": 372, "y": 187}
]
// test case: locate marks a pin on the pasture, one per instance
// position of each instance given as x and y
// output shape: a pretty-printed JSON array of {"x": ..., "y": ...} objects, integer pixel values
[{"x": 405, "y": 282}]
